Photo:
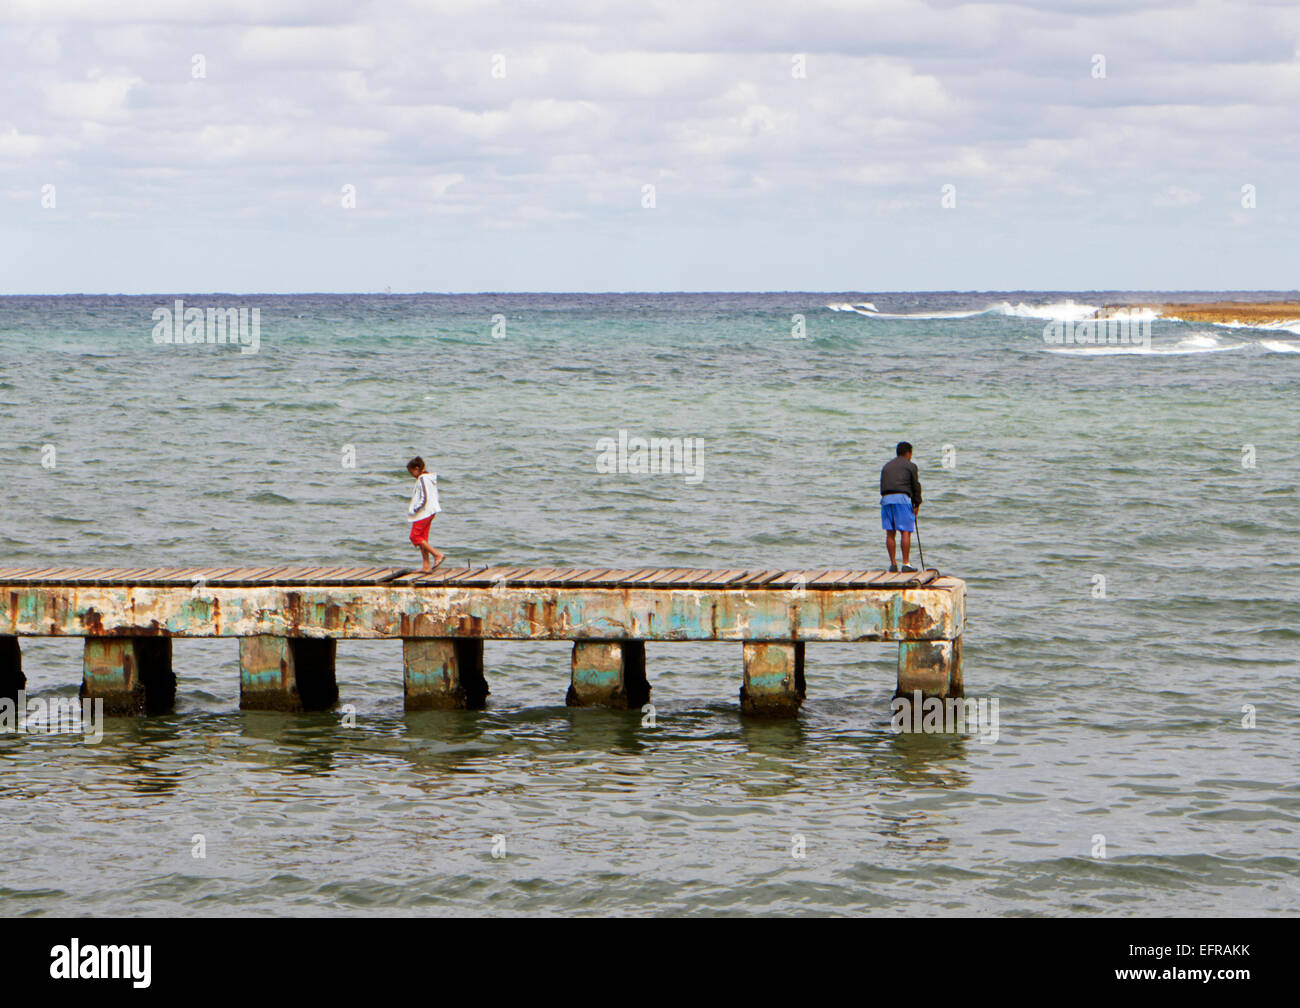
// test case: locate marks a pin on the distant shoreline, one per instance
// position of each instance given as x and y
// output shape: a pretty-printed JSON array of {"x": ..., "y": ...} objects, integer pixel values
[{"x": 1223, "y": 312}]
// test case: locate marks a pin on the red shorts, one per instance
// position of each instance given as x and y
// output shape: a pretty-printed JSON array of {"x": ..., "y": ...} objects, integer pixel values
[{"x": 420, "y": 530}]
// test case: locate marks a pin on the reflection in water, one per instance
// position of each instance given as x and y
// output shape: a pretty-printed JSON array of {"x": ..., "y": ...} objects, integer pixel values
[
  {"x": 145, "y": 749},
  {"x": 301, "y": 743}
]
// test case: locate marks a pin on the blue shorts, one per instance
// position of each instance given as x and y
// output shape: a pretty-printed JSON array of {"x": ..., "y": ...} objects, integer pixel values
[{"x": 896, "y": 513}]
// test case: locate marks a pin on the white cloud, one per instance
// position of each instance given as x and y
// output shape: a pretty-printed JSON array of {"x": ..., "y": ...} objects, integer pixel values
[
  {"x": 900, "y": 97},
  {"x": 101, "y": 98}
]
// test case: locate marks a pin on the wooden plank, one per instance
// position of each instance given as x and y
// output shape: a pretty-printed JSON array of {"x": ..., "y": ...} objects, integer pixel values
[
  {"x": 829, "y": 578},
  {"x": 103, "y": 574},
  {"x": 286, "y": 574},
  {"x": 15, "y": 573},
  {"x": 260, "y": 575},
  {"x": 511, "y": 575},
  {"x": 544, "y": 575},
  {"x": 664, "y": 575},
  {"x": 573, "y": 576},
  {"x": 327, "y": 573},
  {"x": 359, "y": 573},
  {"x": 486, "y": 576},
  {"x": 43, "y": 572},
  {"x": 616, "y": 577},
  {"x": 372, "y": 575},
  {"x": 643, "y": 575},
  {"x": 72, "y": 574},
  {"x": 460, "y": 575},
  {"x": 192, "y": 575},
  {"x": 580, "y": 578},
  {"x": 788, "y": 579},
  {"x": 759, "y": 579},
  {"x": 136, "y": 574},
  {"x": 348, "y": 573},
  {"x": 149, "y": 576},
  {"x": 548, "y": 575},
  {"x": 99, "y": 574},
  {"x": 236, "y": 574},
  {"x": 272, "y": 575},
  {"x": 687, "y": 575},
  {"x": 46, "y": 572},
  {"x": 211, "y": 574},
  {"x": 310, "y": 574},
  {"x": 648, "y": 576}
]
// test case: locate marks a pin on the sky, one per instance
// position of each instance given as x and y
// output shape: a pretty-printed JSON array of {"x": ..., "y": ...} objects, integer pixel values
[{"x": 573, "y": 145}]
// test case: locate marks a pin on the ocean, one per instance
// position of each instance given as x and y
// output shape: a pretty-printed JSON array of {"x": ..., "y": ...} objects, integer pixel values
[{"x": 1124, "y": 514}]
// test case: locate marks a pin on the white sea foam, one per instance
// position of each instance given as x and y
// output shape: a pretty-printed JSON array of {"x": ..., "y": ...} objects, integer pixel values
[
  {"x": 1280, "y": 346},
  {"x": 1064, "y": 311},
  {"x": 1291, "y": 326},
  {"x": 920, "y": 315},
  {"x": 861, "y": 306},
  {"x": 1198, "y": 343}
]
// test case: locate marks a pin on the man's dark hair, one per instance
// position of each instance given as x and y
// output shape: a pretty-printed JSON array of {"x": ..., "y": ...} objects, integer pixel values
[
  {"x": 903, "y": 448},
  {"x": 415, "y": 463}
]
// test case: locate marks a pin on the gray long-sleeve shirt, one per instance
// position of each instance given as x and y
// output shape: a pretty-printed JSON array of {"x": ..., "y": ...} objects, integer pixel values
[{"x": 900, "y": 475}]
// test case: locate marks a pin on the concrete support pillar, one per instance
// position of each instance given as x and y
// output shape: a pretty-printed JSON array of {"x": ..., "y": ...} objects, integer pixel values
[
  {"x": 11, "y": 668},
  {"x": 287, "y": 673},
  {"x": 132, "y": 675},
  {"x": 774, "y": 683},
  {"x": 608, "y": 674},
  {"x": 933, "y": 667},
  {"x": 444, "y": 673}
]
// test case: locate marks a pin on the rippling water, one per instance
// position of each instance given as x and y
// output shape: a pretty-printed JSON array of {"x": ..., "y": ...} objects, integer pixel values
[{"x": 1120, "y": 716}]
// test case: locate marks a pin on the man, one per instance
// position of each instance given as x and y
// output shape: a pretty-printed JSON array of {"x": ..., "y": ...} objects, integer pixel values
[{"x": 900, "y": 502}]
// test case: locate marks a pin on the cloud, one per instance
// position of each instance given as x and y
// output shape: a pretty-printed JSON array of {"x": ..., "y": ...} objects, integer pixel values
[{"x": 480, "y": 115}]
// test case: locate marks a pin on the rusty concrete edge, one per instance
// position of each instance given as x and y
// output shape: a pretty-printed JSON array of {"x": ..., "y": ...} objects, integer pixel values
[{"x": 948, "y": 601}]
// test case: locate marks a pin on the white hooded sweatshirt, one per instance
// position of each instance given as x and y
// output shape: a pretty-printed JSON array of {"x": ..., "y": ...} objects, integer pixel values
[{"x": 424, "y": 501}]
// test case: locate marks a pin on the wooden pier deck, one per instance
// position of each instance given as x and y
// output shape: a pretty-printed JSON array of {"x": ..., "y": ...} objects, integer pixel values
[{"x": 289, "y": 618}]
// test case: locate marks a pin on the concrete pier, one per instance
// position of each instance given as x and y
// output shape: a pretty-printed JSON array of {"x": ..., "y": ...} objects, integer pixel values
[
  {"x": 774, "y": 683},
  {"x": 933, "y": 667},
  {"x": 608, "y": 674},
  {"x": 288, "y": 621},
  {"x": 287, "y": 673},
  {"x": 444, "y": 673},
  {"x": 132, "y": 675},
  {"x": 11, "y": 668}
]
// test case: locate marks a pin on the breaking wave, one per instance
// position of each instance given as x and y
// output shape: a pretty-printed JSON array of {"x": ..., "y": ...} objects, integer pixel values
[
  {"x": 1292, "y": 326},
  {"x": 1062, "y": 311},
  {"x": 1066, "y": 311}
]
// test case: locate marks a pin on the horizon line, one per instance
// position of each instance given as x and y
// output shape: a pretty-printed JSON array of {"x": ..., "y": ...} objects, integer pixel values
[{"x": 498, "y": 293}]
